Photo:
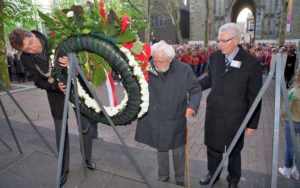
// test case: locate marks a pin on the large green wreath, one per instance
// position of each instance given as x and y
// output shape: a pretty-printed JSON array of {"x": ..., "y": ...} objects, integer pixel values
[
  {"x": 88, "y": 30},
  {"x": 109, "y": 51}
]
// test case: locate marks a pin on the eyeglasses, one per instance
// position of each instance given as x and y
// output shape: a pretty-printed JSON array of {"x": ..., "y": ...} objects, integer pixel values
[{"x": 224, "y": 41}]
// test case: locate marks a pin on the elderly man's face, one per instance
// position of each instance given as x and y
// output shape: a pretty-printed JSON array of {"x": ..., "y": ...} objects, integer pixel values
[
  {"x": 161, "y": 61},
  {"x": 227, "y": 42}
]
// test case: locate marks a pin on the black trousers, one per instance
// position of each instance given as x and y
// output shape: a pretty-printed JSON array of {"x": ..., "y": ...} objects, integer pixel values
[
  {"x": 234, "y": 164},
  {"x": 56, "y": 102}
]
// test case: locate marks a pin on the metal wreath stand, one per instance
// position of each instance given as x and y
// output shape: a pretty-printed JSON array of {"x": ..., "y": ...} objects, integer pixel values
[
  {"x": 28, "y": 119},
  {"x": 278, "y": 61},
  {"x": 74, "y": 71}
]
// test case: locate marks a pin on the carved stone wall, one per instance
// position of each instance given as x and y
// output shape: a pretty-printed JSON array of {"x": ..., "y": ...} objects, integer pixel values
[{"x": 267, "y": 15}]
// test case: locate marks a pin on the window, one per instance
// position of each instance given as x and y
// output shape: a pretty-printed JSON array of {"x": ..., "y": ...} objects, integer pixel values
[{"x": 159, "y": 21}]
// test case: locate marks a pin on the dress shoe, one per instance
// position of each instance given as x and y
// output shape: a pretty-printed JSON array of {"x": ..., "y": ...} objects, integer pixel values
[
  {"x": 164, "y": 179},
  {"x": 232, "y": 185},
  {"x": 180, "y": 183},
  {"x": 90, "y": 165},
  {"x": 206, "y": 179},
  {"x": 63, "y": 178}
]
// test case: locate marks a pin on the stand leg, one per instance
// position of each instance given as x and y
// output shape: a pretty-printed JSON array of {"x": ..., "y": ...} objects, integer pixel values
[
  {"x": 5, "y": 144},
  {"x": 78, "y": 115},
  {"x": 64, "y": 129},
  {"x": 125, "y": 148},
  {"x": 28, "y": 119},
  {"x": 10, "y": 127}
]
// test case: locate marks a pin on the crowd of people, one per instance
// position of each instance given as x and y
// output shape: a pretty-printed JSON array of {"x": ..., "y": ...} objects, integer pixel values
[
  {"x": 233, "y": 73},
  {"x": 197, "y": 57},
  {"x": 16, "y": 69}
]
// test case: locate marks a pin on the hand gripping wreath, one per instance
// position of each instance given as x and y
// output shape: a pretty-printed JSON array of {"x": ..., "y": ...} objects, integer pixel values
[{"x": 123, "y": 63}]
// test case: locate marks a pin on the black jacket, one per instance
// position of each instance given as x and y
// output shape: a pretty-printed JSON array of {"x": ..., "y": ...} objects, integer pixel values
[
  {"x": 34, "y": 64},
  {"x": 164, "y": 125},
  {"x": 231, "y": 96}
]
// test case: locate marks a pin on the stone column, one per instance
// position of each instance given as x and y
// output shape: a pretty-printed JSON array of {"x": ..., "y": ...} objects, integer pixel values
[
  {"x": 295, "y": 27},
  {"x": 197, "y": 16}
]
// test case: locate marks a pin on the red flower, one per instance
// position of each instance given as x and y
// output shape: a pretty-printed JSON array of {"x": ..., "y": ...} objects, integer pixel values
[
  {"x": 52, "y": 34},
  {"x": 146, "y": 74},
  {"x": 102, "y": 10},
  {"x": 144, "y": 56},
  {"x": 128, "y": 45},
  {"x": 144, "y": 65},
  {"x": 124, "y": 23}
]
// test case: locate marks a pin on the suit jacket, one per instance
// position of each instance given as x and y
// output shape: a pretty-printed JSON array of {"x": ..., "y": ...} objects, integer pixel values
[
  {"x": 232, "y": 94},
  {"x": 164, "y": 125}
]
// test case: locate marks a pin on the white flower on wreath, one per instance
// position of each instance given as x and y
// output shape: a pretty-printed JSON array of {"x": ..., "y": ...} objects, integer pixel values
[
  {"x": 111, "y": 111},
  {"x": 70, "y": 14}
]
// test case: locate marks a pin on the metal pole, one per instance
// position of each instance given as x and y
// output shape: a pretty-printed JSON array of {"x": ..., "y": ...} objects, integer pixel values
[
  {"x": 125, "y": 148},
  {"x": 64, "y": 128},
  {"x": 276, "y": 120},
  {"x": 5, "y": 144},
  {"x": 10, "y": 127},
  {"x": 28, "y": 119},
  {"x": 78, "y": 115},
  {"x": 245, "y": 122}
]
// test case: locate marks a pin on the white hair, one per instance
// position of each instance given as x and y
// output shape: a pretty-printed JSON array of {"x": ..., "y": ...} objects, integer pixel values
[
  {"x": 162, "y": 46},
  {"x": 231, "y": 28}
]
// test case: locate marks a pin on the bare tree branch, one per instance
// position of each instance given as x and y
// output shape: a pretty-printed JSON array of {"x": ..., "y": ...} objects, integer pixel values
[{"x": 135, "y": 8}]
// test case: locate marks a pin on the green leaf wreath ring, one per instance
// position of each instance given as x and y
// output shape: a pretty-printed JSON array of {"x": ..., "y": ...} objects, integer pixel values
[{"x": 108, "y": 50}]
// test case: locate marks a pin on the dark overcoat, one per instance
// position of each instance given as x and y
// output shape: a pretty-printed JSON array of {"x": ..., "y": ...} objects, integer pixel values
[
  {"x": 38, "y": 64},
  {"x": 164, "y": 125},
  {"x": 233, "y": 90}
]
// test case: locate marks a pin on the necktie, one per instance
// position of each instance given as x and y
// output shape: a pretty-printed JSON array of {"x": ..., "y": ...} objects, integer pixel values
[{"x": 227, "y": 62}]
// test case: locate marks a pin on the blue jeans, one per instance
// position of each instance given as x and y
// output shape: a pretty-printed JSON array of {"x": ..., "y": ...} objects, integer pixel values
[{"x": 289, "y": 151}]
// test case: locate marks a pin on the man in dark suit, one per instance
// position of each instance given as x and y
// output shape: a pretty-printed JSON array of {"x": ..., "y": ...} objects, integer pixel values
[
  {"x": 174, "y": 96},
  {"x": 36, "y": 60},
  {"x": 235, "y": 78}
]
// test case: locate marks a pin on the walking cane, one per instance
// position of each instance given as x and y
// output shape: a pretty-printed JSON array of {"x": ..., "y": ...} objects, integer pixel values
[{"x": 187, "y": 167}]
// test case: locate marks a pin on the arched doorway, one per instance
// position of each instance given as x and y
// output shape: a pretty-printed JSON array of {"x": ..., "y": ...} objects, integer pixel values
[
  {"x": 240, "y": 6},
  {"x": 245, "y": 20}
]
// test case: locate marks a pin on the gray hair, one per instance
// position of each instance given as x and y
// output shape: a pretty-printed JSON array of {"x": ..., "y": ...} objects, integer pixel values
[
  {"x": 162, "y": 46},
  {"x": 231, "y": 28}
]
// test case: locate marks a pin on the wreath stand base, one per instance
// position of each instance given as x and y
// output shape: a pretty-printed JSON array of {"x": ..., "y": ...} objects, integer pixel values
[
  {"x": 73, "y": 70},
  {"x": 28, "y": 119}
]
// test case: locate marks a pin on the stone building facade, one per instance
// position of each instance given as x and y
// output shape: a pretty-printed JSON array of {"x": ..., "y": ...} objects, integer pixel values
[
  {"x": 266, "y": 13},
  {"x": 162, "y": 26}
]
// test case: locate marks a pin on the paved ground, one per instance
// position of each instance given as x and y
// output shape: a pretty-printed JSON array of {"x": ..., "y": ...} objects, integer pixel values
[{"x": 36, "y": 167}]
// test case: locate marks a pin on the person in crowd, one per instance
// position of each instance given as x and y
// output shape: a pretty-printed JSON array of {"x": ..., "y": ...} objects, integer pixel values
[
  {"x": 268, "y": 61},
  {"x": 36, "y": 60},
  {"x": 20, "y": 72},
  {"x": 203, "y": 56},
  {"x": 174, "y": 97},
  {"x": 235, "y": 78},
  {"x": 187, "y": 56},
  {"x": 195, "y": 61},
  {"x": 289, "y": 66},
  {"x": 290, "y": 170},
  {"x": 10, "y": 66}
]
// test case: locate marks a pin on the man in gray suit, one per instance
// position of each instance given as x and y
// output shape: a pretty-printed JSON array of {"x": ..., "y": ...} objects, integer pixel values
[
  {"x": 235, "y": 78},
  {"x": 174, "y": 96}
]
